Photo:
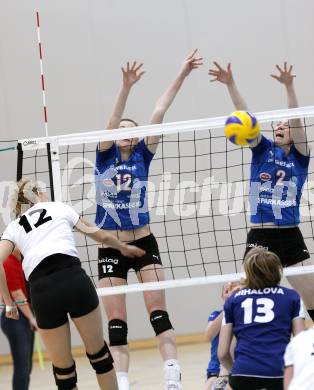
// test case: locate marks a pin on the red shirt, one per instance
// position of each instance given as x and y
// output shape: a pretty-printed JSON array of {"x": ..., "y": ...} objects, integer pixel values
[{"x": 14, "y": 275}]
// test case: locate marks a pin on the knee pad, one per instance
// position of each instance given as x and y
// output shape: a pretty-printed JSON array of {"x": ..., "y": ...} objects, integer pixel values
[
  {"x": 160, "y": 321},
  {"x": 101, "y": 361},
  {"x": 68, "y": 383},
  {"x": 118, "y": 332}
]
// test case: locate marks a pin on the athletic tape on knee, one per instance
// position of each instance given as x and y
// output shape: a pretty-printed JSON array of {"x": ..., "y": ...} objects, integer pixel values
[
  {"x": 118, "y": 332},
  {"x": 68, "y": 383},
  {"x": 160, "y": 321},
  {"x": 101, "y": 361}
]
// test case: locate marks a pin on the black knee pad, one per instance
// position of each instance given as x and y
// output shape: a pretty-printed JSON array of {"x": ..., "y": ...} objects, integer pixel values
[
  {"x": 160, "y": 321},
  {"x": 118, "y": 332},
  {"x": 101, "y": 361},
  {"x": 65, "y": 384}
]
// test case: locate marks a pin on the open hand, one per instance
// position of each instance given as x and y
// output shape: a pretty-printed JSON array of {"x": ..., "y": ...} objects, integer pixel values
[
  {"x": 285, "y": 76},
  {"x": 191, "y": 62},
  {"x": 132, "y": 251},
  {"x": 132, "y": 74},
  {"x": 220, "y": 74}
]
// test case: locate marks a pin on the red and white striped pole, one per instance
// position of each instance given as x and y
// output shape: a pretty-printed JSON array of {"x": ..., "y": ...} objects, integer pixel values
[{"x": 42, "y": 75}]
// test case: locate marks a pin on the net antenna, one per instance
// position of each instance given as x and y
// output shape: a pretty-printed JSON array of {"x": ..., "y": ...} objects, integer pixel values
[
  {"x": 197, "y": 195},
  {"x": 42, "y": 77},
  {"x": 51, "y": 149}
]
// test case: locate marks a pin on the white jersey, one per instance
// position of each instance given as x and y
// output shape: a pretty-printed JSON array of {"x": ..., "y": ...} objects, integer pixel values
[
  {"x": 43, "y": 230},
  {"x": 300, "y": 355}
]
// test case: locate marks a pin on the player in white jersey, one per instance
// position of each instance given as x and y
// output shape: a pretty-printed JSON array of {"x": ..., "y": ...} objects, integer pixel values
[
  {"x": 58, "y": 285},
  {"x": 299, "y": 362}
]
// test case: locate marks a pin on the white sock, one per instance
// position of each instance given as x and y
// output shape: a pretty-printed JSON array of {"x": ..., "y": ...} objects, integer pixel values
[
  {"x": 172, "y": 370},
  {"x": 123, "y": 380}
]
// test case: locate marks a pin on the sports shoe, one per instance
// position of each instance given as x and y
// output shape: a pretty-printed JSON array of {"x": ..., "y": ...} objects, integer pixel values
[
  {"x": 173, "y": 386},
  {"x": 172, "y": 375},
  {"x": 220, "y": 383}
]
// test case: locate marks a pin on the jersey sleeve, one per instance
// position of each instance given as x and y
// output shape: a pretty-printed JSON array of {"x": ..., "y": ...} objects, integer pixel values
[
  {"x": 228, "y": 311},
  {"x": 289, "y": 355},
  {"x": 71, "y": 215},
  {"x": 302, "y": 158},
  {"x": 297, "y": 307},
  {"x": 103, "y": 156},
  {"x": 10, "y": 233},
  {"x": 263, "y": 145},
  {"x": 14, "y": 274},
  {"x": 214, "y": 315},
  {"x": 147, "y": 154}
]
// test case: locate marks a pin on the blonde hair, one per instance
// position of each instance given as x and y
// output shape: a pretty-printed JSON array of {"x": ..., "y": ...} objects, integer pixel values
[
  {"x": 262, "y": 269},
  {"x": 25, "y": 192}
]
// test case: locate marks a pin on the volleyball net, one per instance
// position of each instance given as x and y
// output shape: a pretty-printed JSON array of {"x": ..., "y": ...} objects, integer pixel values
[{"x": 197, "y": 189}]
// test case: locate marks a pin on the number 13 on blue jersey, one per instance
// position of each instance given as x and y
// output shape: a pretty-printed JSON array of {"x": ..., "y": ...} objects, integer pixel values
[{"x": 264, "y": 310}]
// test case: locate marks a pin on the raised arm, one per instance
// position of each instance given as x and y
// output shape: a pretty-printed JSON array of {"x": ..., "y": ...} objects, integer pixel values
[
  {"x": 165, "y": 100},
  {"x": 297, "y": 133},
  {"x": 103, "y": 237},
  {"x": 131, "y": 74},
  {"x": 213, "y": 327},
  {"x": 225, "y": 76}
]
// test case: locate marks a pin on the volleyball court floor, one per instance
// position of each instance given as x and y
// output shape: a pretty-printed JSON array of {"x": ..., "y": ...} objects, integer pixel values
[{"x": 146, "y": 371}]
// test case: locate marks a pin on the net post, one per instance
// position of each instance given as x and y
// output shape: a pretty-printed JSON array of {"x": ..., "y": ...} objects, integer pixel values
[
  {"x": 54, "y": 171},
  {"x": 19, "y": 169}
]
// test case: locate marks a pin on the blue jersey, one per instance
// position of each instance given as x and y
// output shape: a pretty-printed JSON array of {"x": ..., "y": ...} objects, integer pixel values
[
  {"x": 276, "y": 183},
  {"x": 262, "y": 324},
  {"x": 121, "y": 188},
  {"x": 214, "y": 364}
]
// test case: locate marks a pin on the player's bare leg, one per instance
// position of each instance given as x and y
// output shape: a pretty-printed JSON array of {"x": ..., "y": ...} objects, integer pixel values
[
  {"x": 58, "y": 344},
  {"x": 155, "y": 302},
  {"x": 304, "y": 285},
  {"x": 91, "y": 332},
  {"x": 115, "y": 307}
]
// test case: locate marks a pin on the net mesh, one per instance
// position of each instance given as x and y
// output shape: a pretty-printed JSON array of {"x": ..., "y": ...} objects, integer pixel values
[{"x": 197, "y": 193}]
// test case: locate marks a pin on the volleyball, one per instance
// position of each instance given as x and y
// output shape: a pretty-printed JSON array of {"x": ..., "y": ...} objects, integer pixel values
[{"x": 241, "y": 128}]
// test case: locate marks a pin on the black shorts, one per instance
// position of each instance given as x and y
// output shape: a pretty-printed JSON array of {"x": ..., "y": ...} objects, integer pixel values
[
  {"x": 287, "y": 243},
  {"x": 255, "y": 383},
  {"x": 59, "y": 286},
  {"x": 111, "y": 262}
]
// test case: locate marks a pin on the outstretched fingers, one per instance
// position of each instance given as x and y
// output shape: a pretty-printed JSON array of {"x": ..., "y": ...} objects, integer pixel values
[
  {"x": 196, "y": 62},
  {"x": 192, "y": 54},
  {"x": 217, "y": 65},
  {"x": 279, "y": 68},
  {"x": 275, "y": 77},
  {"x": 141, "y": 74},
  {"x": 136, "y": 68}
]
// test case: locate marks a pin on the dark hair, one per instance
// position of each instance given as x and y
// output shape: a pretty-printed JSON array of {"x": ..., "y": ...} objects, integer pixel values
[
  {"x": 262, "y": 269},
  {"x": 129, "y": 120}
]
